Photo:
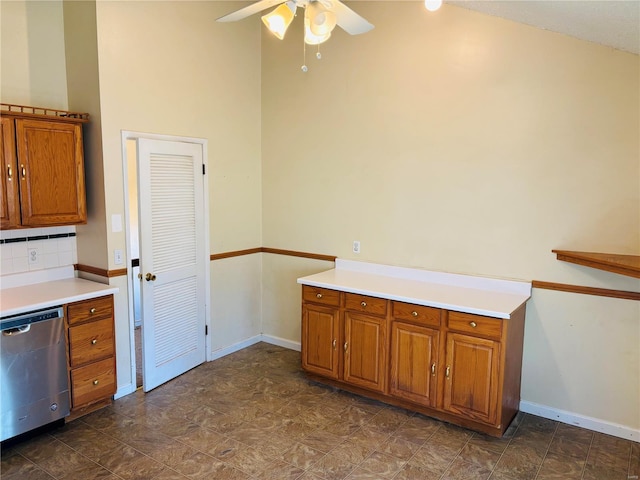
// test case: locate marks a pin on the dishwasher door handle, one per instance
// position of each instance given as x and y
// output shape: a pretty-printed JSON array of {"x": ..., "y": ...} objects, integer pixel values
[{"x": 16, "y": 331}]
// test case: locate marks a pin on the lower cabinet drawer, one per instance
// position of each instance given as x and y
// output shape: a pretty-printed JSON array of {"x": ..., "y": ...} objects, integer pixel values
[
  {"x": 90, "y": 342},
  {"x": 475, "y": 325},
  {"x": 93, "y": 382}
]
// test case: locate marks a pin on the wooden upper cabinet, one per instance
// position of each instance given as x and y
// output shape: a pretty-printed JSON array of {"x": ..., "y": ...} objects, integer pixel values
[
  {"x": 43, "y": 168},
  {"x": 50, "y": 158},
  {"x": 10, "y": 209}
]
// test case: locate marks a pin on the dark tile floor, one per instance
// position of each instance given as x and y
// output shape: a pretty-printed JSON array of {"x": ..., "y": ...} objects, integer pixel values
[{"x": 253, "y": 415}]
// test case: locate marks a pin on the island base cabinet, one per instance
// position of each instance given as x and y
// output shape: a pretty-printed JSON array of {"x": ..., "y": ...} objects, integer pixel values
[
  {"x": 471, "y": 377},
  {"x": 458, "y": 367}
]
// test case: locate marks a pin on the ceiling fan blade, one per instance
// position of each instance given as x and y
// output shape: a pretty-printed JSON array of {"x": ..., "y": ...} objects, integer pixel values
[
  {"x": 348, "y": 20},
  {"x": 249, "y": 10}
]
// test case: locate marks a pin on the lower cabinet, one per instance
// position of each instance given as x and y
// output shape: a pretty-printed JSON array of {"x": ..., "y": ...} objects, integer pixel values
[
  {"x": 92, "y": 361},
  {"x": 459, "y": 367}
]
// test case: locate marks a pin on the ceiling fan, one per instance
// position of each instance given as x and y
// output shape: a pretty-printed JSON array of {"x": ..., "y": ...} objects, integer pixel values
[{"x": 320, "y": 18}]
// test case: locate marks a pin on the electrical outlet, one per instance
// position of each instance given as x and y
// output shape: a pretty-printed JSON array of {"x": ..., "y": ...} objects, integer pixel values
[
  {"x": 117, "y": 257},
  {"x": 33, "y": 255},
  {"x": 356, "y": 246}
]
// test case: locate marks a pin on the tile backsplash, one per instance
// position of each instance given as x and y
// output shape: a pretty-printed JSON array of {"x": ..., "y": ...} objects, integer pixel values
[{"x": 27, "y": 250}]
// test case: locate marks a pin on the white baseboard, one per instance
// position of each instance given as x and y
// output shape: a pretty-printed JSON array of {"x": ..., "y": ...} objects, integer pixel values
[
  {"x": 124, "y": 390},
  {"x": 224, "y": 351},
  {"x": 281, "y": 342},
  {"x": 583, "y": 421}
]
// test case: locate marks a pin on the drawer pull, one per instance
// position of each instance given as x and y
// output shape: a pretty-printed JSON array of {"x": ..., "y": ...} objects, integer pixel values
[
  {"x": 433, "y": 369},
  {"x": 318, "y": 295},
  {"x": 9, "y": 172},
  {"x": 92, "y": 310},
  {"x": 95, "y": 382},
  {"x": 346, "y": 346},
  {"x": 363, "y": 304},
  {"x": 473, "y": 324},
  {"x": 94, "y": 341},
  {"x": 24, "y": 171},
  {"x": 334, "y": 343},
  {"x": 414, "y": 313},
  {"x": 447, "y": 371}
]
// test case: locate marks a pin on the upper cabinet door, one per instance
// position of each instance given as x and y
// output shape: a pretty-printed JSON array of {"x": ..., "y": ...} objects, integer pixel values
[
  {"x": 10, "y": 202},
  {"x": 51, "y": 173}
]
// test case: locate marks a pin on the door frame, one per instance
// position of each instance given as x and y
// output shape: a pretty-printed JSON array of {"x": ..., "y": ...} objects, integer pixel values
[{"x": 132, "y": 135}]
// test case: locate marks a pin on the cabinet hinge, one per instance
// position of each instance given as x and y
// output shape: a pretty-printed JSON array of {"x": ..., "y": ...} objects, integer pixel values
[{"x": 204, "y": 172}]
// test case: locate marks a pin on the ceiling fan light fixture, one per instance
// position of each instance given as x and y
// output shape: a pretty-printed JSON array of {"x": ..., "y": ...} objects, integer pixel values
[
  {"x": 279, "y": 19},
  {"x": 432, "y": 5},
  {"x": 311, "y": 38},
  {"x": 321, "y": 20}
]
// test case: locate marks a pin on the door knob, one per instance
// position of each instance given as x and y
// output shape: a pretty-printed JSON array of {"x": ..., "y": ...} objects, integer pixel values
[{"x": 150, "y": 277}]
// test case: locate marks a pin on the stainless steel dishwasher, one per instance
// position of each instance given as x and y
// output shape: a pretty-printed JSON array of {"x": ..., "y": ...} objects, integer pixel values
[{"x": 33, "y": 371}]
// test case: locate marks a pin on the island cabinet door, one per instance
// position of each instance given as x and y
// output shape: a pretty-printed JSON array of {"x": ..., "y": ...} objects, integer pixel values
[
  {"x": 320, "y": 339},
  {"x": 364, "y": 351},
  {"x": 472, "y": 377},
  {"x": 414, "y": 351}
]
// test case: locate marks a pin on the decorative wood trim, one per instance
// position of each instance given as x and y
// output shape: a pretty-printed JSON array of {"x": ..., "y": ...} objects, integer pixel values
[
  {"x": 276, "y": 251},
  {"x": 9, "y": 110},
  {"x": 236, "y": 253},
  {"x": 100, "y": 271},
  {"x": 292, "y": 253},
  {"x": 611, "y": 262},
  {"x": 602, "y": 292}
]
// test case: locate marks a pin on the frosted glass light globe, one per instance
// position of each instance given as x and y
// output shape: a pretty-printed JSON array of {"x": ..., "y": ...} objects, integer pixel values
[{"x": 432, "y": 5}]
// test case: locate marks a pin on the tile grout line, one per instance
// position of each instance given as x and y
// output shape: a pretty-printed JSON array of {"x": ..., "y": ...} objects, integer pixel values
[
  {"x": 506, "y": 447},
  {"x": 555, "y": 430}
]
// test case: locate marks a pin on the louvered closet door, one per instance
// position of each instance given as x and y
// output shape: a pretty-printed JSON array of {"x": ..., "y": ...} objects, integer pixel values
[{"x": 172, "y": 258}]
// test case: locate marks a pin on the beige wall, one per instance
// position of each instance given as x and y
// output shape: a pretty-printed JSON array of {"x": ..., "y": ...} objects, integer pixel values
[
  {"x": 469, "y": 144},
  {"x": 32, "y": 62},
  {"x": 169, "y": 68}
]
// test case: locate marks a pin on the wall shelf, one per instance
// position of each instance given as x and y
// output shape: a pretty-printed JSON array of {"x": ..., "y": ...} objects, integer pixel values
[{"x": 611, "y": 262}]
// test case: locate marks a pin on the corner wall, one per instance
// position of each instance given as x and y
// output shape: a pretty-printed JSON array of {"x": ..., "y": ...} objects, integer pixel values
[{"x": 466, "y": 143}]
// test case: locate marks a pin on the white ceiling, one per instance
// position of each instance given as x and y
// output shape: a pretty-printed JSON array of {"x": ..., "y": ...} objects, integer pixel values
[{"x": 614, "y": 23}]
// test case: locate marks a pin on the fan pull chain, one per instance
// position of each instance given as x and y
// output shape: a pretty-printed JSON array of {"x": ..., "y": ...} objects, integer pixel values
[
  {"x": 304, "y": 67},
  {"x": 318, "y": 54}
]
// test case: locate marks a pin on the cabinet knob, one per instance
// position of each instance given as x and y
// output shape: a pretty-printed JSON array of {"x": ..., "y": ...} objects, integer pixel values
[
  {"x": 9, "y": 172},
  {"x": 318, "y": 295},
  {"x": 346, "y": 346},
  {"x": 414, "y": 313},
  {"x": 433, "y": 369},
  {"x": 150, "y": 277},
  {"x": 473, "y": 324},
  {"x": 24, "y": 171},
  {"x": 334, "y": 343},
  {"x": 92, "y": 310},
  {"x": 95, "y": 382},
  {"x": 447, "y": 371},
  {"x": 94, "y": 341},
  {"x": 363, "y": 304}
]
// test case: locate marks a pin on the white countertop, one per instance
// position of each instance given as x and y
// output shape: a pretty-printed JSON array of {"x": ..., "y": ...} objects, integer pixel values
[
  {"x": 26, "y": 298},
  {"x": 463, "y": 293}
]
